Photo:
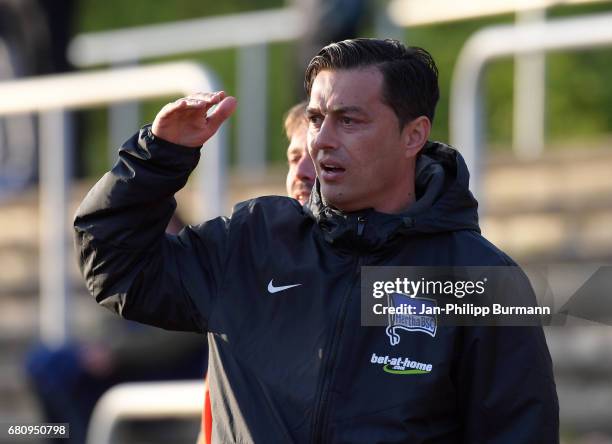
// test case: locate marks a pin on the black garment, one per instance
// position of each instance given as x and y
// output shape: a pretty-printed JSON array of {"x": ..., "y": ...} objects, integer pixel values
[{"x": 296, "y": 366}]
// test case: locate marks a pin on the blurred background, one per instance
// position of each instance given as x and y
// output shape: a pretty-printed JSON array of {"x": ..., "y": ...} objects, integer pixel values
[{"x": 531, "y": 110}]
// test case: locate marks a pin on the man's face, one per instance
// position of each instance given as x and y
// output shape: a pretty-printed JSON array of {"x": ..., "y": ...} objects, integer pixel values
[
  {"x": 356, "y": 143},
  {"x": 301, "y": 174}
]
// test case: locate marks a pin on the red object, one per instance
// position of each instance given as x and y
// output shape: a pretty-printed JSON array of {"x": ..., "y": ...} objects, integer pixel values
[{"x": 207, "y": 415}]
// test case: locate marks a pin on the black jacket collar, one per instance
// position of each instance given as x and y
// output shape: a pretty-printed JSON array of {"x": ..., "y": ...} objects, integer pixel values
[{"x": 444, "y": 203}]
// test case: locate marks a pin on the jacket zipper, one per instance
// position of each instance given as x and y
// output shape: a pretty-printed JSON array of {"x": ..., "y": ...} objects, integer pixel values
[
  {"x": 361, "y": 220},
  {"x": 320, "y": 423}
]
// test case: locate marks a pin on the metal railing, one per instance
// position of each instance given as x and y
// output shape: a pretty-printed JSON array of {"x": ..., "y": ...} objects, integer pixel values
[
  {"x": 529, "y": 110},
  {"x": 50, "y": 95},
  {"x": 227, "y": 31},
  {"x": 466, "y": 108},
  {"x": 249, "y": 32},
  {"x": 417, "y": 12},
  {"x": 140, "y": 400}
]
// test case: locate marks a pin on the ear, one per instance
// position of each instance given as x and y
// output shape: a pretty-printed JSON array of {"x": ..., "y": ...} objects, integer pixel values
[{"x": 415, "y": 135}]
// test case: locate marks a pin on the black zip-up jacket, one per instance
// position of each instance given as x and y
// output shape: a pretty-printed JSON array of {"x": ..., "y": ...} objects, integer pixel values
[{"x": 296, "y": 366}]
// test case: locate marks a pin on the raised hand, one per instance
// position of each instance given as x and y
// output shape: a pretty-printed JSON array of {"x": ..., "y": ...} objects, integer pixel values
[{"x": 186, "y": 122}]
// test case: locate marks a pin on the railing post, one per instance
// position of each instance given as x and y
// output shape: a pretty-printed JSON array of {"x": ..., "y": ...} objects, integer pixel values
[
  {"x": 529, "y": 96},
  {"x": 55, "y": 174},
  {"x": 252, "y": 81}
]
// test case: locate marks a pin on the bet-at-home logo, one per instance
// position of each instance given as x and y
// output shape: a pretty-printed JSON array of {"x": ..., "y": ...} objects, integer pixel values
[{"x": 401, "y": 366}]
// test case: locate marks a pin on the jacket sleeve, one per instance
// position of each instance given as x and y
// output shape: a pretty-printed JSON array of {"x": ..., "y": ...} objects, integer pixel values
[
  {"x": 505, "y": 380},
  {"x": 130, "y": 265}
]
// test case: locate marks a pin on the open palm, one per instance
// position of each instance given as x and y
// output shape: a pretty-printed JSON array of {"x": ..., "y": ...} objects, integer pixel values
[{"x": 186, "y": 122}]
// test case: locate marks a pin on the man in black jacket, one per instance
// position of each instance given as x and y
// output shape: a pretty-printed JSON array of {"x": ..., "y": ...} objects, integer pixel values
[{"x": 276, "y": 287}]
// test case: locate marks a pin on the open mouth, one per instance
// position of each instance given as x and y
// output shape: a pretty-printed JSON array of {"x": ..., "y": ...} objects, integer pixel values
[
  {"x": 302, "y": 197},
  {"x": 301, "y": 194},
  {"x": 330, "y": 170}
]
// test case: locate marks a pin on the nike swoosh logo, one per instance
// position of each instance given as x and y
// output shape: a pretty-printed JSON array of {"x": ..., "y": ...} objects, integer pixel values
[{"x": 272, "y": 289}]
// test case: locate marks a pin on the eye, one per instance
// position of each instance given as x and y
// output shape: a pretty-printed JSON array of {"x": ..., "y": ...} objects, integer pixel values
[
  {"x": 346, "y": 120},
  {"x": 293, "y": 158},
  {"x": 315, "y": 119}
]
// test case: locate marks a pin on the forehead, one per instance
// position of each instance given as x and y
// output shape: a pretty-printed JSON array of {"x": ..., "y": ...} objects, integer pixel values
[
  {"x": 347, "y": 87},
  {"x": 298, "y": 139}
]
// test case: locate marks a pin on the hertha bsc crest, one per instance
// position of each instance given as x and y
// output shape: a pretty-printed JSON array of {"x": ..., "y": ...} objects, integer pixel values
[{"x": 416, "y": 322}]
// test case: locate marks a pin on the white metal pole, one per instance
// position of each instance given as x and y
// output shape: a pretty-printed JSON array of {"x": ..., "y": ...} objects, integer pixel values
[
  {"x": 529, "y": 95},
  {"x": 252, "y": 92},
  {"x": 203, "y": 34},
  {"x": 53, "y": 197},
  {"x": 419, "y": 12},
  {"x": 211, "y": 172}
]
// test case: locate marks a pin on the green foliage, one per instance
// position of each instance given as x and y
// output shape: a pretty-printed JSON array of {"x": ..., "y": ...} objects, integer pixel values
[
  {"x": 579, "y": 94},
  {"x": 96, "y": 157}
]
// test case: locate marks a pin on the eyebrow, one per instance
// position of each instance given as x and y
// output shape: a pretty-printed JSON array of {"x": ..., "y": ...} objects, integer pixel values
[{"x": 338, "y": 110}]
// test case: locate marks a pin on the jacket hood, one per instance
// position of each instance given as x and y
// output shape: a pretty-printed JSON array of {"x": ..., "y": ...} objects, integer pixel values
[{"x": 443, "y": 203}]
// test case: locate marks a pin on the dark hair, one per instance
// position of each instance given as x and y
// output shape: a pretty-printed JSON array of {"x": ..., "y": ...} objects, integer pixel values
[{"x": 410, "y": 76}]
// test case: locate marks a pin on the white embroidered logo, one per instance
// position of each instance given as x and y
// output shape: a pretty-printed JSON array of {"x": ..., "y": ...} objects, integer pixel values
[{"x": 272, "y": 289}]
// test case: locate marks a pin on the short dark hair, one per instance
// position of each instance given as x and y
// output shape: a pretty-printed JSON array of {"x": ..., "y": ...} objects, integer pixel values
[{"x": 410, "y": 75}]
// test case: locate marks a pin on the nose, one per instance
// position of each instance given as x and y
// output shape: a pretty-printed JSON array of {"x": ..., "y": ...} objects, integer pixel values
[
  {"x": 305, "y": 168},
  {"x": 324, "y": 138}
]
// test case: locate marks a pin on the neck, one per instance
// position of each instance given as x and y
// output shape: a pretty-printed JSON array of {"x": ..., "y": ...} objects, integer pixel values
[
  {"x": 401, "y": 194},
  {"x": 393, "y": 202},
  {"x": 399, "y": 204},
  {"x": 398, "y": 207}
]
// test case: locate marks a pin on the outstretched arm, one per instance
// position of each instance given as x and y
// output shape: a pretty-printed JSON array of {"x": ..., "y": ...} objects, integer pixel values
[{"x": 130, "y": 265}]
